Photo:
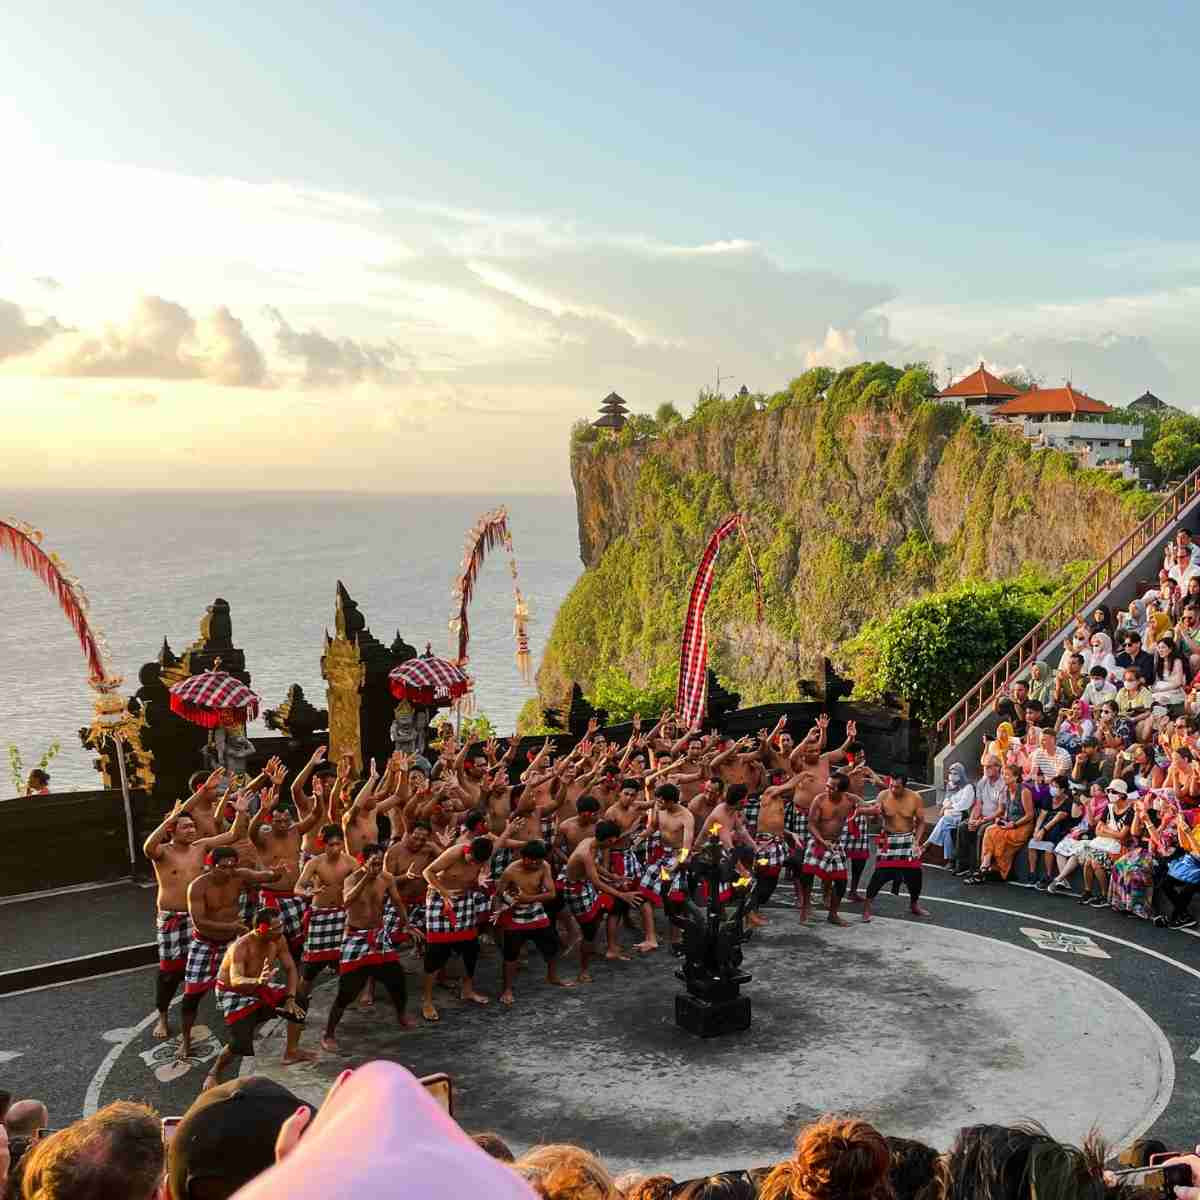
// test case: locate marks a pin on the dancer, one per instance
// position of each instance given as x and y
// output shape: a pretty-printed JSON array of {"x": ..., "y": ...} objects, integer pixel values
[
  {"x": 775, "y": 846},
  {"x": 671, "y": 830},
  {"x": 322, "y": 882},
  {"x": 406, "y": 858},
  {"x": 248, "y": 995},
  {"x": 367, "y": 953},
  {"x": 585, "y": 886},
  {"x": 523, "y": 891},
  {"x": 452, "y": 918},
  {"x": 213, "y": 905},
  {"x": 177, "y": 854},
  {"x": 824, "y": 857},
  {"x": 898, "y": 858}
]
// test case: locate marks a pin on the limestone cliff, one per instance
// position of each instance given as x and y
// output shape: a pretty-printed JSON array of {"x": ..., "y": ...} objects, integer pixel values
[{"x": 861, "y": 493}]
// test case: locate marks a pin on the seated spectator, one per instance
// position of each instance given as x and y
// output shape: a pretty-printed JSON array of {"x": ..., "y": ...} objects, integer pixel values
[
  {"x": 1134, "y": 702},
  {"x": 1009, "y": 705},
  {"x": 38, "y": 783},
  {"x": 652, "y": 1187},
  {"x": 957, "y": 802},
  {"x": 1070, "y": 850},
  {"x": 116, "y": 1152},
  {"x": 227, "y": 1138},
  {"x": 730, "y": 1185},
  {"x": 1004, "y": 747},
  {"x": 1101, "y": 655},
  {"x": 1048, "y": 758},
  {"x": 1132, "y": 655},
  {"x": 915, "y": 1169},
  {"x": 1089, "y": 763},
  {"x": 1071, "y": 680},
  {"x": 1181, "y": 541},
  {"x": 1136, "y": 766},
  {"x": 26, "y": 1118},
  {"x": 1100, "y": 687},
  {"x": 834, "y": 1159},
  {"x": 1010, "y": 831},
  {"x": 1103, "y": 849},
  {"x": 562, "y": 1172},
  {"x": 1182, "y": 880},
  {"x": 1076, "y": 643},
  {"x": 1131, "y": 879},
  {"x": 1181, "y": 567},
  {"x": 1041, "y": 684},
  {"x": 1170, "y": 678},
  {"x": 1183, "y": 776},
  {"x": 999, "y": 1162},
  {"x": 990, "y": 794},
  {"x": 1052, "y": 824}
]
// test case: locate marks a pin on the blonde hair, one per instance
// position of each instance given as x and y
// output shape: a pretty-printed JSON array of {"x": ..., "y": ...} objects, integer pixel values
[
  {"x": 563, "y": 1172},
  {"x": 835, "y": 1159}
]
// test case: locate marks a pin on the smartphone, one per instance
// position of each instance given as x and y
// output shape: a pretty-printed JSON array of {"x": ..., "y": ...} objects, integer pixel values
[
  {"x": 441, "y": 1088},
  {"x": 169, "y": 1125},
  {"x": 1162, "y": 1179}
]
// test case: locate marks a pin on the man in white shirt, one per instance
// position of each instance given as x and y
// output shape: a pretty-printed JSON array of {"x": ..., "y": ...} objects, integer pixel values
[
  {"x": 1183, "y": 568},
  {"x": 1099, "y": 688},
  {"x": 1182, "y": 541},
  {"x": 990, "y": 795}
]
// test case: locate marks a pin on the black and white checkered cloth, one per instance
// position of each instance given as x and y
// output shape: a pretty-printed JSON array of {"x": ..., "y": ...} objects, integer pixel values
[
  {"x": 824, "y": 861},
  {"x": 203, "y": 963},
  {"x": 456, "y": 922},
  {"x": 174, "y": 937},
  {"x": 326, "y": 928},
  {"x": 366, "y": 948}
]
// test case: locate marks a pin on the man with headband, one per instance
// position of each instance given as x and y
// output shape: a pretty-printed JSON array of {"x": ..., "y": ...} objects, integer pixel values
[
  {"x": 522, "y": 892},
  {"x": 897, "y": 857}
]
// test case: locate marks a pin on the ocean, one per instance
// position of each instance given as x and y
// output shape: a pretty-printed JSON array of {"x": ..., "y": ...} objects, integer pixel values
[{"x": 152, "y": 562}]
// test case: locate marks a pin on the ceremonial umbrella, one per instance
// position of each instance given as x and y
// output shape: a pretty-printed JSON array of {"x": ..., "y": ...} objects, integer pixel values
[
  {"x": 428, "y": 680},
  {"x": 214, "y": 698}
]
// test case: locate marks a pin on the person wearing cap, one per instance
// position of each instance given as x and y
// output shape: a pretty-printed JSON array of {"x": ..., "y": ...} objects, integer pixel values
[
  {"x": 227, "y": 1138},
  {"x": 1112, "y": 833}
]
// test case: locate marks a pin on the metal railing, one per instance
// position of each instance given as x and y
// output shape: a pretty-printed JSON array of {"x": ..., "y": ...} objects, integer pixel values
[{"x": 1097, "y": 581}]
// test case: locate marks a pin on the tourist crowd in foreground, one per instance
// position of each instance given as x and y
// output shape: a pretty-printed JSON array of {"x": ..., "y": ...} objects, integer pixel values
[
  {"x": 1092, "y": 777},
  {"x": 379, "y": 1134}
]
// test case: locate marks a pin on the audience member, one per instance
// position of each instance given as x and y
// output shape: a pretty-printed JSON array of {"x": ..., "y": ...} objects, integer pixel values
[
  {"x": 999, "y": 1162},
  {"x": 834, "y": 1159},
  {"x": 495, "y": 1145},
  {"x": 916, "y": 1169},
  {"x": 562, "y": 1172},
  {"x": 117, "y": 1154}
]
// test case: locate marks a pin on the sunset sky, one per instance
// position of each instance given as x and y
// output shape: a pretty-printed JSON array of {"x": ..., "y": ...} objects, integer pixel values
[{"x": 402, "y": 247}]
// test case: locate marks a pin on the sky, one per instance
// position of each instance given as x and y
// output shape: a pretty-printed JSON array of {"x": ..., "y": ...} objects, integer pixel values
[{"x": 402, "y": 247}]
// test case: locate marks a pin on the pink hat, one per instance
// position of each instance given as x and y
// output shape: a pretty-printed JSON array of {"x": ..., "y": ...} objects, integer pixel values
[{"x": 382, "y": 1134}]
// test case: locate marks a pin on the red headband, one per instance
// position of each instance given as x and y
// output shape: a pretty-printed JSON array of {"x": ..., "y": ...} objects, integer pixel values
[
  {"x": 360, "y": 858},
  {"x": 319, "y": 844},
  {"x": 209, "y": 860},
  {"x": 263, "y": 927}
]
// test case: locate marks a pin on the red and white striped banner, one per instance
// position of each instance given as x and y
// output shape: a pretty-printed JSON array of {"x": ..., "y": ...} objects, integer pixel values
[{"x": 692, "y": 693}]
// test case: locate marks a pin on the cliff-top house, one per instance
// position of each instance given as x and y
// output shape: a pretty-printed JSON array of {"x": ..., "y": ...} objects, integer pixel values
[
  {"x": 1066, "y": 419},
  {"x": 979, "y": 393}
]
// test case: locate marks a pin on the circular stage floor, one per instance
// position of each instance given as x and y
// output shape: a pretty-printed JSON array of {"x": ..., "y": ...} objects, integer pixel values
[{"x": 918, "y": 1027}]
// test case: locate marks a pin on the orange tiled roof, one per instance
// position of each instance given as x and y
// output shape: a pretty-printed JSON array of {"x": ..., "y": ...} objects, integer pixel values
[
  {"x": 1043, "y": 401},
  {"x": 980, "y": 382}
]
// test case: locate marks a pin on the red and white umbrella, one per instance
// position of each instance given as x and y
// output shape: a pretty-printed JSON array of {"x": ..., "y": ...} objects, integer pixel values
[
  {"x": 429, "y": 680},
  {"x": 214, "y": 698}
]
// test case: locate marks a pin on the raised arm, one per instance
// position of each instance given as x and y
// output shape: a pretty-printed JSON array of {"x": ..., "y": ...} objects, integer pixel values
[
  {"x": 236, "y": 832},
  {"x": 301, "y": 780}
]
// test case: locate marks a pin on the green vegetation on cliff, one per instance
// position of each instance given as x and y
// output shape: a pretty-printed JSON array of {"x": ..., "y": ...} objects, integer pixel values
[{"x": 862, "y": 493}]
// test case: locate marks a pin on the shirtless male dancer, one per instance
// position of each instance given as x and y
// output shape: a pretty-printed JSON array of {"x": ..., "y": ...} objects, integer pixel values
[
  {"x": 898, "y": 857},
  {"x": 776, "y": 846},
  {"x": 367, "y": 952},
  {"x": 523, "y": 891},
  {"x": 452, "y": 910},
  {"x": 321, "y": 883},
  {"x": 824, "y": 857},
  {"x": 406, "y": 859},
  {"x": 214, "y": 909},
  {"x": 248, "y": 995},
  {"x": 177, "y": 854},
  {"x": 586, "y": 885},
  {"x": 671, "y": 829}
]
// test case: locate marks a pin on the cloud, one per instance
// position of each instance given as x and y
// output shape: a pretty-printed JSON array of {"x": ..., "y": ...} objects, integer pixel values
[
  {"x": 329, "y": 362},
  {"x": 161, "y": 340},
  {"x": 137, "y": 399},
  {"x": 48, "y": 282},
  {"x": 20, "y": 336}
]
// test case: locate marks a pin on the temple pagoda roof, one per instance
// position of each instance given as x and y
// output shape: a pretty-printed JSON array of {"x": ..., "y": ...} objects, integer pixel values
[{"x": 980, "y": 382}]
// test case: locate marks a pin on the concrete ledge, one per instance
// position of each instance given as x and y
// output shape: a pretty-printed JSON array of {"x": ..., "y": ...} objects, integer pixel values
[{"x": 69, "y": 970}]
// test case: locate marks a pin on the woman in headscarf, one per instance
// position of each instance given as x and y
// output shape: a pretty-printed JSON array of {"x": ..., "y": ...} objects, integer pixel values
[
  {"x": 959, "y": 797},
  {"x": 1102, "y": 653},
  {"x": 1101, "y": 620},
  {"x": 1041, "y": 684},
  {"x": 1135, "y": 619},
  {"x": 1077, "y": 643},
  {"x": 1004, "y": 746}
]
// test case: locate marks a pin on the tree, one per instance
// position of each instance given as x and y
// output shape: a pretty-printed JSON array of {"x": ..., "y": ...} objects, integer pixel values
[
  {"x": 1175, "y": 454},
  {"x": 667, "y": 415},
  {"x": 621, "y": 699},
  {"x": 1023, "y": 380}
]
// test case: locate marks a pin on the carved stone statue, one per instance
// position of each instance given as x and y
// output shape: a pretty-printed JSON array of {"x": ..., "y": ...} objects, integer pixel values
[
  {"x": 410, "y": 728},
  {"x": 229, "y": 748}
]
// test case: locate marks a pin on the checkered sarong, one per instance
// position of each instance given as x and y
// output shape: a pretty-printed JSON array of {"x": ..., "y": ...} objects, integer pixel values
[
  {"x": 174, "y": 934},
  {"x": 523, "y": 918},
  {"x": 856, "y": 841},
  {"x": 249, "y": 901},
  {"x": 203, "y": 963},
  {"x": 774, "y": 850},
  {"x": 750, "y": 811},
  {"x": 583, "y": 900},
  {"x": 897, "y": 850},
  {"x": 502, "y": 860},
  {"x": 366, "y": 948},
  {"x": 824, "y": 861},
  {"x": 549, "y": 824},
  {"x": 292, "y": 910},
  {"x": 236, "y": 1005},
  {"x": 439, "y": 927},
  {"x": 795, "y": 820},
  {"x": 326, "y": 928},
  {"x": 623, "y": 864}
]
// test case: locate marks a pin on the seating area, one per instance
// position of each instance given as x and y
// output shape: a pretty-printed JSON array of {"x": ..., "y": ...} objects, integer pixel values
[{"x": 1088, "y": 786}]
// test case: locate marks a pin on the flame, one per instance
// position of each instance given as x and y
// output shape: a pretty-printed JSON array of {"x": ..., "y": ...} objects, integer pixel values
[
  {"x": 762, "y": 862},
  {"x": 714, "y": 828},
  {"x": 743, "y": 882},
  {"x": 665, "y": 874},
  {"x": 683, "y": 854}
]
